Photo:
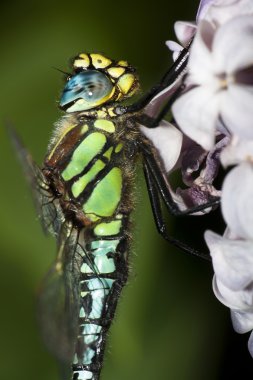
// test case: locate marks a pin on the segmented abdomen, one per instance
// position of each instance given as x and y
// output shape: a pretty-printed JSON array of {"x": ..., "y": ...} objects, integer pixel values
[{"x": 103, "y": 274}]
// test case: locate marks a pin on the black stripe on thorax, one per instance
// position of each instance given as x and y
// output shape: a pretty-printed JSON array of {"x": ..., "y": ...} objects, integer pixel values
[
  {"x": 63, "y": 163},
  {"x": 84, "y": 196},
  {"x": 86, "y": 193},
  {"x": 87, "y": 168}
]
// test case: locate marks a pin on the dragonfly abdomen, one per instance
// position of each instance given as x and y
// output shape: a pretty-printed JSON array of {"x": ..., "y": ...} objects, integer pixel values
[{"x": 103, "y": 274}]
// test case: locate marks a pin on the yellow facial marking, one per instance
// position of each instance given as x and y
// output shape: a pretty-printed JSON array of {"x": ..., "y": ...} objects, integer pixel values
[
  {"x": 99, "y": 61},
  {"x": 103, "y": 100},
  {"x": 116, "y": 72},
  {"x": 125, "y": 83},
  {"x": 119, "y": 96},
  {"x": 111, "y": 111},
  {"x": 80, "y": 101},
  {"x": 123, "y": 63},
  {"x": 82, "y": 61},
  {"x": 101, "y": 113}
]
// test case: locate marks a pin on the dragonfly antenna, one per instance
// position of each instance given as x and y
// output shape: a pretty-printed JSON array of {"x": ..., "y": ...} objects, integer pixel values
[{"x": 61, "y": 71}]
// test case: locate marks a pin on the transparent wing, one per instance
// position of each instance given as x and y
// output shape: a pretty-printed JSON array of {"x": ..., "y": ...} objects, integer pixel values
[
  {"x": 53, "y": 303},
  {"x": 47, "y": 205},
  {"x": 58, "y": 300},
  {"x": 59, "y": 296}
]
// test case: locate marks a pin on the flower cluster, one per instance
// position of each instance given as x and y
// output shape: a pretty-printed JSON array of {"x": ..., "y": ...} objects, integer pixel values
[{"x": 217, "y": 104}]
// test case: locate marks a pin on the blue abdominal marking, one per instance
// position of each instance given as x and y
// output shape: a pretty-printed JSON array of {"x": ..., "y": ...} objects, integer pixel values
[
  {"x": 94, "y": 293},
  {"x": 101, "y": 257}
]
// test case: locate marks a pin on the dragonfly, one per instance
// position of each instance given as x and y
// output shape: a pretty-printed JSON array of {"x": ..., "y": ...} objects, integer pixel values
[{"x": 83, "y": 196}]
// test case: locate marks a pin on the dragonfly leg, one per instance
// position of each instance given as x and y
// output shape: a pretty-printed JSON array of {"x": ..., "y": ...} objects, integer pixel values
[
  {"x": 168, "y": 79},
  {"x": 164, "y": 187},
  {"x": 160, "y": 223},
  {"x": 153, "y": 122}
]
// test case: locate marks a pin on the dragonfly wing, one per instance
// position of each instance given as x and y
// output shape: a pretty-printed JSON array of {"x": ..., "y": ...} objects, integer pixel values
[
  {"x": 58, "y": 300},
  {"x": 47, "y": 205}
]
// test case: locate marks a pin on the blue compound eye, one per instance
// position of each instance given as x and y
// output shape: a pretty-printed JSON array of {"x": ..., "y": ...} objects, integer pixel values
[{"x": 86, "y": 90}]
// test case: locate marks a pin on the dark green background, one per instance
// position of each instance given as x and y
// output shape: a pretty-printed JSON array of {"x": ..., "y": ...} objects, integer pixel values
[{"x": 168, "y": 324}]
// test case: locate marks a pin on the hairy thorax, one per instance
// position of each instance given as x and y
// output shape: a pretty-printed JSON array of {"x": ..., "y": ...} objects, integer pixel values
[{"x": 90, "y": 164}]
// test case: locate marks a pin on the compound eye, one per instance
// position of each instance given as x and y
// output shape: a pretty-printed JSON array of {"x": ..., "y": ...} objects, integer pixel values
[{"x": 86, "y": 90}]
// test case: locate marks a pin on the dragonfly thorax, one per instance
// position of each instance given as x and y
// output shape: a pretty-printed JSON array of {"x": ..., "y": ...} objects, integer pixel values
[{"x": 89, "y": 164}]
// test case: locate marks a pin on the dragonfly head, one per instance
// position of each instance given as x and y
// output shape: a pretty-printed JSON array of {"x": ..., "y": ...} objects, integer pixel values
[{"x": 97, "y": 80}]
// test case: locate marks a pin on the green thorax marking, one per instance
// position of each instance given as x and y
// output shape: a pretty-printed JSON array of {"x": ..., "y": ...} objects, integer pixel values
[
  {"x": 108, "y": 153},
  {"x": 118, "y": 148},
  {"x": 108, "y": 229},
  {"x": 105, "y": 125},
  {"x": 105, "y": 197},
  {"x": 83, "y": 154},
  {"x": 78, "y": 186}
]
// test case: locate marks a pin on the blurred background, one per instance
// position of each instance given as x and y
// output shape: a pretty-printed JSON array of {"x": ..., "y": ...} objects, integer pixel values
[{"x": 168, "y": 324}]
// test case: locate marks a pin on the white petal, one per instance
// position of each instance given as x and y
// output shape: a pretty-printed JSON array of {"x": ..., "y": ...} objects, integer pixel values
[
  {"x": 223, "y": 10},
  {"x": 237, "y": 151},
  {"x": 237, "y": 110},
  {"x": 236, "y": 300},
  {"x": 203, "y": 8},
  {"x": 233, "y": 45},
  {"x": 184, "y": 31},
  {"x": 175, "y": 48},
  {"x": 196, "y": 113},
  {"x": 228, "y": 234},
  {"x": 232, "y": 260},
  {"x": 167, "y": 140},
  {"x": 200, "y": 63},
  {"x": 175, "y": 55},
  {"x": 237, "y": 200},
  {"x": 242, "y": 322}
]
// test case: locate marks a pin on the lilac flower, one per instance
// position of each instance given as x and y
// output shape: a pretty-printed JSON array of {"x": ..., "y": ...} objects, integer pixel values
[
  {"x": 219, "y": 83},
  {"x": 198, "y": 167},
  {"x": 216, "y": 12},
  {"x": 233, "y": 279},
  {"x": 239, "y": 217},
  {"x": 237, "y": 151},
  {"x": 216, "y": 112},
  {"x": 204, "y": 5},
  {"x": 220, "y": 11},
  {"x": 167, "y": 139},
  {"x": 232, "y": 254},
  {"x": 184, "y": 31}
]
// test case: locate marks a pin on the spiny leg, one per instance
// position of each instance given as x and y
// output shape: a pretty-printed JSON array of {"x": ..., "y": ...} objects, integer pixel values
[
  {"x": 168, "y": 79},
  {"x": 164, "y": 187},
  {"x": 154, "y": 121},
  {"x": 160, "y": 224}
]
